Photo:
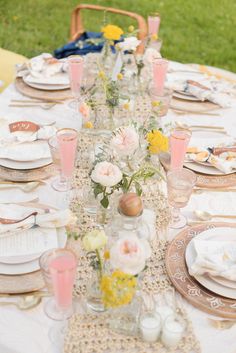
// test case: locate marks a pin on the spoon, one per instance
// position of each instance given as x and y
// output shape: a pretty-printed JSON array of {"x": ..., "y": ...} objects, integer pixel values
[
  {"x": 206, "y": 216},
  {"x": 25, "y": 303},
  {"x": 180, "y": 124},
  {"x": 45, "y": 106}
]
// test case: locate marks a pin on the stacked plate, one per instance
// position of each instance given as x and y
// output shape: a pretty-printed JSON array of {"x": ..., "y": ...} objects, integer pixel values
[
  {"x": 216, "y": 284},
  {"x": 59, "y": 81},
  {"x": 20, "y": 251}
]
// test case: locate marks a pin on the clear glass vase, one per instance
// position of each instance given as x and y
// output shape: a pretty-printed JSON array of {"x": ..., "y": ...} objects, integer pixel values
[
  {"x": 94, "y": 294},
  {"x": 124, "y": 319}
]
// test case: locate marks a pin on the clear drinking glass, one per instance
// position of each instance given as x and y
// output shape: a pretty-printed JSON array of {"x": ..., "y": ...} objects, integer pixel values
[
  {"x": 75, "y": 70},
  {"x": 179, "y": 140},
  {"x": 160, "y": 67},
  {"x": 67, "y": 147},
  {"x": 44, "y": 261},
  {"x": 53, "y": 146},
  {"x": 180, "y": 184},
  {"x": 160, "y": 102},
  {"x": 62, "y": 265}
]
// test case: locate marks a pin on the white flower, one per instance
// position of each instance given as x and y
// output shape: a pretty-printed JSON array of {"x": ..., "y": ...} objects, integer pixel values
[
  {"x": 129, "y": 254},
  {"x": 106, "y": 174},
  {"x": 150, "y": 55},
  {"x": 129, "y": 44},
  {"x": 125, "y": 141}
]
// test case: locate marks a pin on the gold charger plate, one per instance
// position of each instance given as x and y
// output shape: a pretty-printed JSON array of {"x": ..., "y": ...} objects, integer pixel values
[
  {"x": 27, "y": 175},
  {"x": 28, "y": 91},
  {"x": 177, "y": 271},
  {"x": 205, "y": 180}
]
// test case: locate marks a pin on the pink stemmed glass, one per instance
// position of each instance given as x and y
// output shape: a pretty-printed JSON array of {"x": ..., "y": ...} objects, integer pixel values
[
  {"x": 75, "y": 69},
  {"x": 153, "y": 24},
  {"x": 62, "y": 265},
  {"x": 179, "y": 140},
  {"x": 67, "y": 147},
  {"x": 160, "y": 67},
  {"x": 180, "y": 184}
]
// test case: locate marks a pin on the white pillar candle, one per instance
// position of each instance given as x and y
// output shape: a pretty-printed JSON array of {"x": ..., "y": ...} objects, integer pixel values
[
  {"x": 172, "y": 331},
  {"x": 150, "y": 326}
]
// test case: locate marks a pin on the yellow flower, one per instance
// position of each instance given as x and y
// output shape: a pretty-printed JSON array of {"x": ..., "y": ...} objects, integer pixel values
[
  {"x": 118, "y": 289},
  {"x": 126, "y": 106},
  {"x": 154, "y": 37},
  {"x": 156, "y": 104},
  {"x": 131, "y": 29},
  {"x": 112, "y": 32},
  {"x": 88, "y": 125},
  {"x": 157, "y": 142},
  {"x": 119, "y": 76},
  {"x": 101, "y": 74},
  {"x": 106, "y": 255}
]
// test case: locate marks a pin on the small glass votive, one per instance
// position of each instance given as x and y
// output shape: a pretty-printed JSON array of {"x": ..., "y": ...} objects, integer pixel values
[
  {"x": 160, "y": 102},
  {"x": 90, "y": 203},
  {"x": 173, "y": 330},
  {"x": 150, "y": 326}
]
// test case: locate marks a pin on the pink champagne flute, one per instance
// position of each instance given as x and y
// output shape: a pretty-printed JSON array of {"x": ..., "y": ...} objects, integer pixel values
[
  {"x": 179, "y": 140},
  {"x": 67, "y": 146},
  {"x": 75, "y": 69},
  {"x": 180, "y": 184},
  {"x": 153, "y": 24},
  {"x": 160, "y": 67},
  {"x": 62, "y": 265}
]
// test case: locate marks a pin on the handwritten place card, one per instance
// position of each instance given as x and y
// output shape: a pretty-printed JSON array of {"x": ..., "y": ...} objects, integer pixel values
[
  {"x": 23, "y": 126},
  {"x": 27, "y": 242}
]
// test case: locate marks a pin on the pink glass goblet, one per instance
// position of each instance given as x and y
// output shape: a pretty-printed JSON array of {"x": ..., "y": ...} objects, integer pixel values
[{"x": 179, "y": 140}]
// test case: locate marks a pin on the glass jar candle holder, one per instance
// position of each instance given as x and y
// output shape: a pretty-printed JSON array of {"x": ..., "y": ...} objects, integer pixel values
[
  {"x": 173, "y": 330},
  {"x": 150, "y": 326}
]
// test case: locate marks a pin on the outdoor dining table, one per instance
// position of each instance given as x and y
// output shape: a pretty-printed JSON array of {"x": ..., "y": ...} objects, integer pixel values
[{"x": 27, "y": 331}]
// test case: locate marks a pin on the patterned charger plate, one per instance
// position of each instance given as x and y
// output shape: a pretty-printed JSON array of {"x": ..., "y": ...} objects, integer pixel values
[
  {"x": 18, "y": 284},
  {"x": 27, "y": 175},
  {"x": 177, "y": 270},
  {"x": 204, "y": 180}
]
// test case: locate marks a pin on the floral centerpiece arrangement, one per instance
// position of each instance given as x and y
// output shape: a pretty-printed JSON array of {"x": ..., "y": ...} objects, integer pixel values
[{"x": 118, "y": 265}]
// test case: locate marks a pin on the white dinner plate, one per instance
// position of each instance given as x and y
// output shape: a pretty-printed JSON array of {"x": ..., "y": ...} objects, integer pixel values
[
  {"x": 212, "y": 283},
  {"x": 188, "y": 97},
  {"x": 38, "y": 163},
  {"x": 205, "y": 169},
  {"x": 46, "y": 86},
  {"x": 31, "y": 266}
]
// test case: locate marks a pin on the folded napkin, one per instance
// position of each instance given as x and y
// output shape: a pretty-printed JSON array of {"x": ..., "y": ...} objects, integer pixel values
[
  {"x": 216, "y": 258},
  {"x": 224, "y": 162},
  {"x": 201, "y": 91},
  {"x": 45, "y": 218},
  {"x": 28, "y": 151},
  {"x": 7, "y": 137}
]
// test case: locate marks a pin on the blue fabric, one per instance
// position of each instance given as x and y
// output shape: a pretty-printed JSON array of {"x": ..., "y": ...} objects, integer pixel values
[{"x": 81, "y": 46}]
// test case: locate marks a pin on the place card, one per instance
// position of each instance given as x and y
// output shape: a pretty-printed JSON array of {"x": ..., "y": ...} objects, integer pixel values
[
  {"x": 23, "y": 126},
  {"x": 31, "y": 241}
]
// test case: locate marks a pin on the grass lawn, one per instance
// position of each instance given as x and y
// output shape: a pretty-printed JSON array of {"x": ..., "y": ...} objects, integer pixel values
[{"x": 201, "y": 31}]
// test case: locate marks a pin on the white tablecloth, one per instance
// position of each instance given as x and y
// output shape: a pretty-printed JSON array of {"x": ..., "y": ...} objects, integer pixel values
[{"x": 27, "y": 332}]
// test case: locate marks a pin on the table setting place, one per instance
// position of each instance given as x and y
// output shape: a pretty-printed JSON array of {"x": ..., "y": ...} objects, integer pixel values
[{"x": 117, "y": 202}]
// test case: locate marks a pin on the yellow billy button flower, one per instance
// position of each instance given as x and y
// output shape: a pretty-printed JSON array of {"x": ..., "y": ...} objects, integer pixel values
[
  {"x": 119, "y": 76},
  {"x": 156, "y": 104},
  {"x": 112, "y": 32},
  {"x": 88, "y": 125},
  {"x": 131, "y": 29},
  {"x": 106, "y": 255},
  {"x": 101, "y": 74},
  {"x": 126, "y": 106},
  {"x": 157, "y": 142},
  {"x": 154, "y": 37}
]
